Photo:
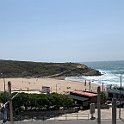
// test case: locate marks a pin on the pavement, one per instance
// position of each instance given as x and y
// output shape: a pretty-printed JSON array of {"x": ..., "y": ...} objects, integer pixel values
[
  {"x": 106, "y": 114},
  {"x": 67, "y": 122},
  {"x": 82, "y": 117}
]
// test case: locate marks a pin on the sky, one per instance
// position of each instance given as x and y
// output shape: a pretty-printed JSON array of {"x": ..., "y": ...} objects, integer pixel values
[{"x": 62, "y": 30}]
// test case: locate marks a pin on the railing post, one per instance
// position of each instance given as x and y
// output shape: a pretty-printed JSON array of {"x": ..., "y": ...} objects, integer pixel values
[
  {"x": 114, "y": 111},
  {"x": 98, "y": 106},
  {"x": 10, "y": 103}
]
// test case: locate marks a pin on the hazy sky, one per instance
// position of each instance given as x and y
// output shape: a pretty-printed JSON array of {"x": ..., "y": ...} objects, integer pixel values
[{"x": 62, "y": 30}]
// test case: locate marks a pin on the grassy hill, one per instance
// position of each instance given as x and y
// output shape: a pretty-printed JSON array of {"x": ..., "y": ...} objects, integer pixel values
[{"x": 11, "y": 68}]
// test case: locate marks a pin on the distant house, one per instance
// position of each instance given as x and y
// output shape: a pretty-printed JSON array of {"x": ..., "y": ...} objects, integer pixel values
[{"x": 83, "y": 98}]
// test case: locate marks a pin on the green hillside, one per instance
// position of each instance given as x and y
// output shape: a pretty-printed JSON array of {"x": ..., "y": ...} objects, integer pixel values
[{"x": 11, "y": 68}]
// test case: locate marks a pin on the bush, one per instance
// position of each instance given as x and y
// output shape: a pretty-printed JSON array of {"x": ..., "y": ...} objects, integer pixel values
[{"x": 37, "y": 101}]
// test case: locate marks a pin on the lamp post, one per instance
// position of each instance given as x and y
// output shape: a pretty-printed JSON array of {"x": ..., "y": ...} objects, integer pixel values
[
  {"x": 56, "y": 88},
  {"x": 2, "y": 75},
  {"x": 101, "y": 85},
  {"x": 120, "y": 95}
]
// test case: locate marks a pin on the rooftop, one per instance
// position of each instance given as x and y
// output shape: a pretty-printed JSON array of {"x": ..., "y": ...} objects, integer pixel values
[{"x": 85, "y": 93}]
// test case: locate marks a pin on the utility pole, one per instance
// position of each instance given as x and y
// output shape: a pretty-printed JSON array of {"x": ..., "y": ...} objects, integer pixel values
[
  {"x": 102, "y": 86},
  {"x": 4, "y": 83},
  {"x": 3, "y": 76},
  {"x": 10, "y": 103},
  {"x": 98, "y": 106},
  {"x": 120, "y": 95},
  {"x": 56, "y": 88},
  {"x": 89, "y": 86}
]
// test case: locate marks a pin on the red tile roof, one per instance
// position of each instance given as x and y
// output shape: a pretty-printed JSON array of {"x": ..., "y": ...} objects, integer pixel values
[{"x": 84, "y": 93}]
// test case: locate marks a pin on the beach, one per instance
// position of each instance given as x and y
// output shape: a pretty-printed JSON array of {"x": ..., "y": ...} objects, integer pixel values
[{"x": 34, "y": 85}]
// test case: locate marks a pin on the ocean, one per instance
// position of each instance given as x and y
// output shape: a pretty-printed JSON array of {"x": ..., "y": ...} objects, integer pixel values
[{"x": 111, "y": 70}]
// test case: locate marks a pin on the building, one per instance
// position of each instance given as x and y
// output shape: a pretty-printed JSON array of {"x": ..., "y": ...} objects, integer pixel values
[
  {"x": 115, "y": 92},
  {"x": 45, "y": 89},
  {"x": 83, "y": 98}
]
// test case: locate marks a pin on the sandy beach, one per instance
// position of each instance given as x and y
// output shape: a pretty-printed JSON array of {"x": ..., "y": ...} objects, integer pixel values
[{"x": 34, "y": 85}]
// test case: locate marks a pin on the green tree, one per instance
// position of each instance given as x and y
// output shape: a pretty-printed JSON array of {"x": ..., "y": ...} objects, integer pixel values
[
  {"x": 37, "y": 101},
  {"x": 20, "y": 100},
  {"x": 4, "y": 97},
  {"x": 103, "y": 97}
]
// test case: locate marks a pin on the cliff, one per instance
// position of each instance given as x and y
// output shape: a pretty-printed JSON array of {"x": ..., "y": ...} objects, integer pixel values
[{"x": 78, "y": 71}]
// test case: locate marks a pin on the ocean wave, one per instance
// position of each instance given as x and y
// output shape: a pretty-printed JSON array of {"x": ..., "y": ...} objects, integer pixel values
[{"x": 107, "y": 78}]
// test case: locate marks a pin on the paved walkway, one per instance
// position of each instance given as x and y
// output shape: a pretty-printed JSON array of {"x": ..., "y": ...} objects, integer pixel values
[
  {"x": 106, "y": 114},
  {"x": 67, "y": 122},
  {"x": 82, "y": 117}
]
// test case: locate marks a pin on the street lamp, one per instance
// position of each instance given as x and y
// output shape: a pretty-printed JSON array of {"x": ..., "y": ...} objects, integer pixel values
[
  {"x": 2, "y": 75},
  {"x": 120, "y": 95}
]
